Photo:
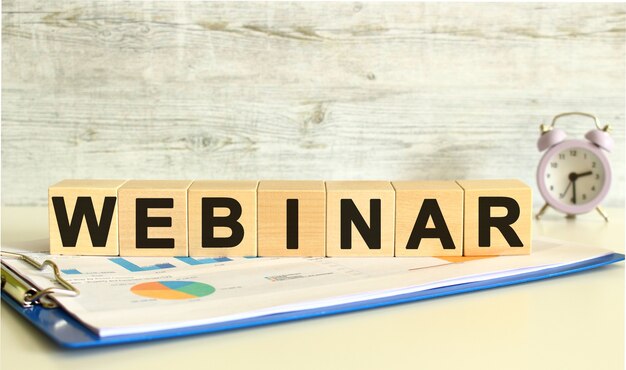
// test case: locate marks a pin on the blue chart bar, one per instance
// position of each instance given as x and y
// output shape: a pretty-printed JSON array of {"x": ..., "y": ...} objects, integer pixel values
[
  {"x": 71, "y": 272},
  {"x": 202, "y": 261},
  {"x": 134, "y": 268}
]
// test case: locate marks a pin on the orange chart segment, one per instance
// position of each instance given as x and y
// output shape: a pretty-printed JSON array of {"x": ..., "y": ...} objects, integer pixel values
[
  {"x": 163, "y": 294},
  {"x": 172, "y": 289},
  {"x": 153, "y": 285}
]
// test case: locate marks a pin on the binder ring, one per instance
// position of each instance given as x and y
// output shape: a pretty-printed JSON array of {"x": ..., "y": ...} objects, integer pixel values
[{"x": 43, "y": 296}]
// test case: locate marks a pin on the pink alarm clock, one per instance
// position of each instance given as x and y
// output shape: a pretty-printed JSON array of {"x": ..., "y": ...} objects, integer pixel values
[{"x": 574, "y": 175}]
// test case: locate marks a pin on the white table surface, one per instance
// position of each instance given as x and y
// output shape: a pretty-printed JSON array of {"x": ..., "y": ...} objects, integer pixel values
[{"x": 572, "y": 322}]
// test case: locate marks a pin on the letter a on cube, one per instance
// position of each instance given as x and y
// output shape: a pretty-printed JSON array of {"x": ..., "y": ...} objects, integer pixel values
[{"x": 429, "y": 218}]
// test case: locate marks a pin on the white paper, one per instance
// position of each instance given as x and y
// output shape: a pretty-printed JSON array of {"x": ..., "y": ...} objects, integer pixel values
[{"x": 254, "y": 287}]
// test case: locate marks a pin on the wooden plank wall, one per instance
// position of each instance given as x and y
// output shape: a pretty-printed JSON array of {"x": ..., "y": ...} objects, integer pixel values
[{"x": 130, "y": 89}]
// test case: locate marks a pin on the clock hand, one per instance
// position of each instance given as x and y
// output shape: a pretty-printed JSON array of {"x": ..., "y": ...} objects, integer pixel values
[
  {"x": 566, "y": 189},
  {"x": 573, "y": 177}
]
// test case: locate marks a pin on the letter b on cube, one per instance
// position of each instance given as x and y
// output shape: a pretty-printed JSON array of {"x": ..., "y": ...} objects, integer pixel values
[{"x": 222, "y": 218}]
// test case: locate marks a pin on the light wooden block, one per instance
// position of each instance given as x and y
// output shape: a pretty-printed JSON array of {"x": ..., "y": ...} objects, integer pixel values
[
  {"x": 170, "y": 214},
  {"x": 429, "y": 218},
  {"x": 310, "y": 237},
  {"x": 77, "y": 239},
  {"x": 234, "y": 210},
  {"x": 363, "y": 195},
  {"x": 513, "y": 194}
]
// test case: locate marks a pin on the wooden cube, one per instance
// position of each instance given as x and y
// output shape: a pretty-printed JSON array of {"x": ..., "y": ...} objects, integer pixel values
[
  {"x": 429, "y": 218},
  {"x": 360, "y": 218},
  {"x": 291, "y": 218},
  {"x": 153, "y": 218},
  {"x": 497, "y": 218},
  {"x": 82, "y": 217},
  {"x": 222, "y": 218}
]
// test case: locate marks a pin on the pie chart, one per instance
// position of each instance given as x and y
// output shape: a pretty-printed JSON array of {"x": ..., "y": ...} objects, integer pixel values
[{"x": 172, "y": 289}]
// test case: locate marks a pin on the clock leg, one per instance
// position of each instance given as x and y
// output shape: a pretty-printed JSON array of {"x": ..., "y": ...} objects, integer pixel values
[
  {"x": 601, "y": 212},
  {"x": 542, "y": 211}
]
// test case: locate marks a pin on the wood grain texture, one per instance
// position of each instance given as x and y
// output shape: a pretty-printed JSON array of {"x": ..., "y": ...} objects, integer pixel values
[
  {"x": 244, "y": 193},
  {"x": 361, "y": 197},
  {"x": 120, "y": 89},
  {"x": 497, "y": 244},
  {"x": 411, "y": 198},
  {"x": 163, "y": 222},
  {"x": 97, "y": 190},
  {"x": 307, "y": 218}
]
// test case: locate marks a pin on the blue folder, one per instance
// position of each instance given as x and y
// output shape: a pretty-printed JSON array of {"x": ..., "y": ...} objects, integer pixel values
[{"x": 66, "y": 331}]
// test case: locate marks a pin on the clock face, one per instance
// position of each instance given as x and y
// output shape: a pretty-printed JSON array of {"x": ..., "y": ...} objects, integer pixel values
[{"x": 574, "y": 176}]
